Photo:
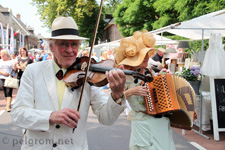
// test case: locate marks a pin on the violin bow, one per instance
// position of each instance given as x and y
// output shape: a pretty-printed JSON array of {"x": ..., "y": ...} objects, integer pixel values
[{"x": 89, "y": 60}]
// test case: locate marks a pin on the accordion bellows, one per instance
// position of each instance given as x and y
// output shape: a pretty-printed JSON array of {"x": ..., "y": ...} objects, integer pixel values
[{"x": 172, "y": 96}]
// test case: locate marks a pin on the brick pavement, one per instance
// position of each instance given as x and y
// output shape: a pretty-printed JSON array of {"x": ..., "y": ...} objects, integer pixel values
[{"x": 209, "y": 144}]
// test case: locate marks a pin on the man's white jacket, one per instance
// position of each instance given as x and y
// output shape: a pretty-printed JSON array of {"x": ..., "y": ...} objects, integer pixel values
[{"x": 37, "y": 99}]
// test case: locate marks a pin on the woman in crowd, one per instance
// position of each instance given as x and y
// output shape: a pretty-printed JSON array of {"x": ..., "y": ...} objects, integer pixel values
[
  {"x": 147, "y": 132},
  {"x": 23, "y": 61},
  {"x": 6, "y": 67},
  {"x": 103, "y": 56}
]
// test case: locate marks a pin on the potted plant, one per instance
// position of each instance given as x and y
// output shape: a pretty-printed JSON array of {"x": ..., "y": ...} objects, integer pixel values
[{"x": 192, "y": 75}]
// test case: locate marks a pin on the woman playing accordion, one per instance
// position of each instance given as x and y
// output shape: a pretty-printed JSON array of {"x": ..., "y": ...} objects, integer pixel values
[{"x": 147, "y": 131}]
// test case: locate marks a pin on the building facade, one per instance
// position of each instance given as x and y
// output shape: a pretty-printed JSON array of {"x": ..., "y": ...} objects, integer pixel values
[
  {"x": 111, "y": 32},
  {"x": 23, "y": 36}
]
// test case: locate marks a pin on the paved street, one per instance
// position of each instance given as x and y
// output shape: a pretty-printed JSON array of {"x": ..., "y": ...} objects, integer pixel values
[{"x": 115, "y": 137}]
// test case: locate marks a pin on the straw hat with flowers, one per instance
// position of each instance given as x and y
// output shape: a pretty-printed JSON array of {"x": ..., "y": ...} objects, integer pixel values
[{"x": 132, "y": 51}]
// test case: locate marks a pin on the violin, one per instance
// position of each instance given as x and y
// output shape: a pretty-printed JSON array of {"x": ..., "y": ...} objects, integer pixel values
[{"x": 74, "y": 77}]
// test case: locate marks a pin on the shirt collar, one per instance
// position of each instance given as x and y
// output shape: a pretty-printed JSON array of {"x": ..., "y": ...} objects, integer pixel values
[{"x": 57, "y": 68}]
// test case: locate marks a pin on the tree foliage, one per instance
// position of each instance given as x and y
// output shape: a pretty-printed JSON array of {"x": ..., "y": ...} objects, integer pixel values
[
  {"x": 172, "y": 11},
  {"x": 111, "y": 5},
  {"x": 166, "y": 13},
  {"x": 134, "y": 15}
]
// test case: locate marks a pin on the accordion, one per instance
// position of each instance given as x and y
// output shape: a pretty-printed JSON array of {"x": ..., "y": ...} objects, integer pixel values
[{"x": 171, "y": 96}]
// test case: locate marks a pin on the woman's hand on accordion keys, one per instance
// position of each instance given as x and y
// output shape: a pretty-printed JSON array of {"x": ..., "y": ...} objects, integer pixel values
[{"x": 137, "y": 90}]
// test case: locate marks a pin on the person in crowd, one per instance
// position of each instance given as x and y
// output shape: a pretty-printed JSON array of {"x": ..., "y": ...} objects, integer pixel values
[
  {"x": 35, "y": 59},
  {"x": 147, "y": 132},
  {"x": 103, "y": 56},
  {"x": 31, "y": 56},
  {"x": 37, "y": 56},
  {"x": 110, "y": 54},
  {"x": 94, "y": 55},
  {"x": 80, "y": 53},
  {"x": 43, "y": 56},
  {"x": 13, "y": 56},
  {"x": 155, "y": 62},
  {"x": 49, "y": 56},
  {"x": 85, "y": 53},
  {"x": 6, "y": 67},
  {"x": 18, "y": 55},
  {"x": 158, "y": 56},
  {"x": 47, "y": 108},
  {"x": 23, "y": 61}
]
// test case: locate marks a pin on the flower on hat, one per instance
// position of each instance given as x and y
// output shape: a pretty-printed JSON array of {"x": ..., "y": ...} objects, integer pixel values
[
  {"x": 148, "y": 39},
  {"x": 118, "y": 54},
  {"x": 129, "y": 47},
  {"x": 132, "y": 51}
]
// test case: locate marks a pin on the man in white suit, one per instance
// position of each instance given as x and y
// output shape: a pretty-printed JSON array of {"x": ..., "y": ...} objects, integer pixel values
[{"x": 46, "y": 108}]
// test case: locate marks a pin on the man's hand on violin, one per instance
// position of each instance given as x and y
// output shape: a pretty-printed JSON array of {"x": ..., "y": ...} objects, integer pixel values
[
  {"x": 117, "y": 80},
  {"x": 66, "y": 116}
]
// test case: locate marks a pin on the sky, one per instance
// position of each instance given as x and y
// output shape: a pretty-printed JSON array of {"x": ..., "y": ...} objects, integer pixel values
[{"x": 28, "y": 15}]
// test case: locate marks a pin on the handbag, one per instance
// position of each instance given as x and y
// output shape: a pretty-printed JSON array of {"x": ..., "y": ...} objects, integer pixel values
[{"x": 11, "y": 82}]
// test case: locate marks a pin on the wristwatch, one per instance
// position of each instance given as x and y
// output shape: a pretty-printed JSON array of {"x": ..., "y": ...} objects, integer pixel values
[{"x": 118, "y": 101}]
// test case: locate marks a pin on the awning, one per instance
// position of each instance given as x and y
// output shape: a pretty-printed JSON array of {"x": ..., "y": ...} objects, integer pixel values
[{"x": 211, "y": 23}]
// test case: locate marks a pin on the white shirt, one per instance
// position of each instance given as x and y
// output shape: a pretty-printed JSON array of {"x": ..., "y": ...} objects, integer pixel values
[{"x": 6, "y": 66}]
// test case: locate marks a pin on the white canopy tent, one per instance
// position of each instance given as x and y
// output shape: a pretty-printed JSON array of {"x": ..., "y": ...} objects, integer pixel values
[
  {"x": 160, "y": 40},
  {"x": 193, "y": 29}
]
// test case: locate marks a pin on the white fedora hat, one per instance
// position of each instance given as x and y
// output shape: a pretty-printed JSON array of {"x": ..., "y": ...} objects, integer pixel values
[{"x": 65, "y": 28}]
